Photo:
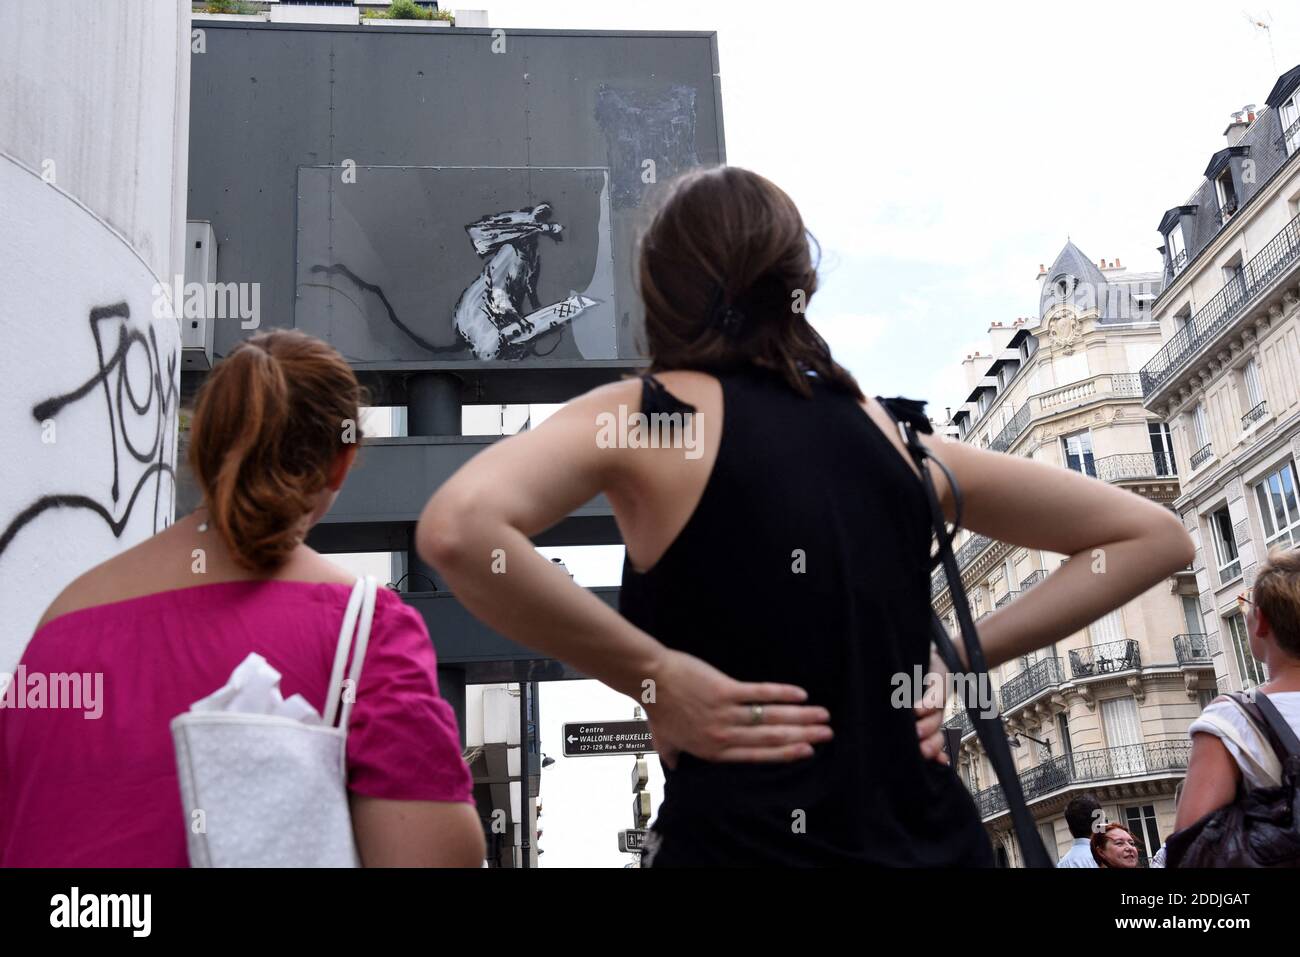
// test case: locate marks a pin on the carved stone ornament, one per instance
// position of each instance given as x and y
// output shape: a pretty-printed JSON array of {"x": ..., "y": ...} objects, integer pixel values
[{"x": 1064, "y": 330}]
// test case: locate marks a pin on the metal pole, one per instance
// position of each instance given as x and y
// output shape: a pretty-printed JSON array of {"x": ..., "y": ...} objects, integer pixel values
[{"x": 525, "y": 811}]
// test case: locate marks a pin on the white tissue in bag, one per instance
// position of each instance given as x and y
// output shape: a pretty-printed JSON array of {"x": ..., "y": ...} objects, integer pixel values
[{"x": 254, "y": 688}]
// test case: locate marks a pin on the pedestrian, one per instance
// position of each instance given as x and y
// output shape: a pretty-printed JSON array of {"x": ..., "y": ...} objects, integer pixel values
[
  {"x": 778, "y": 554},
  {"x": 1115, "y": 847},
  {"x": 165, "y": 623},
  {"x": 1082, "y": 815},
  {"x": 1229, "y": 750}
]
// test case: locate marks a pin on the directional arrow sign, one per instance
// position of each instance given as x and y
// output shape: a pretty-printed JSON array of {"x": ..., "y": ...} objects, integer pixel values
[{"x": 590, "y": 738}]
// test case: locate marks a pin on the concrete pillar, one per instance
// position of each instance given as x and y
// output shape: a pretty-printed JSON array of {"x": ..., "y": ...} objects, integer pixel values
[{"x": 94, "y": 148}]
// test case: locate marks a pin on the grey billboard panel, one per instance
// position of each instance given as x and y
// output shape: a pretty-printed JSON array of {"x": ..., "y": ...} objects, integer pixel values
[
  {"x": 269, "y": 100},
  {"x": 456, "y": 263}
]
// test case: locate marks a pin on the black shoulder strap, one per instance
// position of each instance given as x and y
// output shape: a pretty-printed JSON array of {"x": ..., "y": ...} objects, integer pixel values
[
  {"x": 909, "y": 416},
  {"x": 1270, "y": 723}
]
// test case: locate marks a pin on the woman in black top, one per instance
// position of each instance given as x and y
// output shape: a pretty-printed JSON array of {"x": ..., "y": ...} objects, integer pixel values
[{"x": 778, "y": 542}]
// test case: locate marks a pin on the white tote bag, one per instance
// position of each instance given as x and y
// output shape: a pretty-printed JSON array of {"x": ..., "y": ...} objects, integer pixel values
[{"x": 263, "y": 789}]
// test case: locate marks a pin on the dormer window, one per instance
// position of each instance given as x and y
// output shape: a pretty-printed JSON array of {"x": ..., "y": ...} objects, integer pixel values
[
  {"x": 1289, "y": 115},
  {"x": 1177, "y": 248},
  {"x": 1227, "y": 194}
]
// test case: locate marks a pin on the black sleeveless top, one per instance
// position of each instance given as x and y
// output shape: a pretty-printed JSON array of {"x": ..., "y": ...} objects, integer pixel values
[{"x": 806, "y": 562}]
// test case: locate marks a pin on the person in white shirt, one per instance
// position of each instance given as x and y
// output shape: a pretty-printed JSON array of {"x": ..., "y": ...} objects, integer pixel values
[
  {"x": 1081, "y": 815},
  {"x": 1226, "y": 746}
]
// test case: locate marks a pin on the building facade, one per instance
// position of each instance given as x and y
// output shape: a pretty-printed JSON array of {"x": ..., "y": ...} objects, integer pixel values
[
  {"x": 1106, "y": 710},
  {"x": 1227, "y": 379}
]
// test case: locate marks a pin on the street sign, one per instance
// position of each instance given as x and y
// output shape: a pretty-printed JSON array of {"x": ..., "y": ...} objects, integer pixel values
[
  {"x": 640, "y": 775},
  {"x": 590, "y": 738},
  {"x": 641, "y": 808},
  {"x": 632, "y": 841}
]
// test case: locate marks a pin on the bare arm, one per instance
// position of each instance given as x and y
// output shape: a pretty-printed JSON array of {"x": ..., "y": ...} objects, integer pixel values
[
  {"x": 416, "y": 833},
  {"x": 1119, "y": 543},
  {"x": 1212, "y": 778},
  {"x": 476, "y": 531}
]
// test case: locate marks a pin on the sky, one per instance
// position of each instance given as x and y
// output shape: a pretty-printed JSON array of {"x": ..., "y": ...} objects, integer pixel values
[{"x": 939, "y": 152}]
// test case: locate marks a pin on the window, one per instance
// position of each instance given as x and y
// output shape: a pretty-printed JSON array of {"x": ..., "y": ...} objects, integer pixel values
[
  {"x": 1248, "y": 666},
  {"x": 1119, "y": 716},
  {"x": 1063, "y": 726},
  {"x": 1225, "y": 545},
  {"x": 1205, "y": 696},
  {"x": 1078, "y": 453},
  {"x": 1254, "y": 388},
  {"x": 1048, "y": 833},
  {"x": 1108, "y": 628},
  {"x": 1192, "y": 615},
  {"x": 1141, "y": 822},
  {"x": 1278, "y": 511},
  {"x": 1162, "y": 448},
  {"x": 1182, "y": 317},
  {"x": 1177, "y": 248},
  {"x": 1202, "y": 448},
  {"x": 1290, "y": 118},
  {"x": 1227, "y": 194}
]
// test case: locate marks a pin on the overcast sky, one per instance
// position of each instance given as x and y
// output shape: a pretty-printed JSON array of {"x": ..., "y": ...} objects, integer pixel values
[{"x": 939, "y": 151}]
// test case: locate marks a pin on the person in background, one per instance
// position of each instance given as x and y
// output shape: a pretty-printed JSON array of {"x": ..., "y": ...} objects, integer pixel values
[
  {"x": 1219, "y": 764},
  {"x": 273, "y": 435},
  {"x": 1114, "y": 846},
  {"x": 1158, "y": 858},
  {"x": 1081, "y": 816}
]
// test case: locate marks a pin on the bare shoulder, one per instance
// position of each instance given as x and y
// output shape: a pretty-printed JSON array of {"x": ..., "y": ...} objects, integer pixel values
[{"x": 111, "y": 580}]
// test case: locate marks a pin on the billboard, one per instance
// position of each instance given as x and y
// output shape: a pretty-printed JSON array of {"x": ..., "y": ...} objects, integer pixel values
[{"x": 460, "y": 198}]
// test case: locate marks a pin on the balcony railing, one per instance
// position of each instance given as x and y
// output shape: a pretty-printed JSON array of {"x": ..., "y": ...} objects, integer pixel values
[
  {"x": 1111, "y": 657},
  {"x": 964, "y": 555},
  {"x": 1037, "y": 677},
  {"x": 1254, "y": 415},
  {"x": 1136, "y": 465},
  {"x": 1007, "y": 599},
  {"x": 1088, "y": 767},
  {"x": 1279, "y": 254},
  {"x": 1194, "y": 649},
  {"x": 1012, "y": 430},
  {"x": 1202, "y": 455},
  {"x": 961, "y": 720},
  {"x": 1126, "y": 384},
  {"x": 1032, "y": 579}
]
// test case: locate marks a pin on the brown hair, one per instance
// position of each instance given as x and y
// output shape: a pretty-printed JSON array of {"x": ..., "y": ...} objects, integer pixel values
[
  {"x": 1276, "y": 592},
  {"x": 726, "y": 271},
  {"x": 1100, "y": 838},
  {"x": 269, "y": 423}
]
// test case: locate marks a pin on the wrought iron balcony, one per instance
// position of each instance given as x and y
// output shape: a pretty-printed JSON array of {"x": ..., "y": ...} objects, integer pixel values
[
  {"x": 1012, "y": 430},
  {"x": 1136, "y": 465},
  {"x": 1272, "y": 261},
  {"x": 1202, "y": 455},
  {"x": 1112, "y": 657},
  {"x": 1089, "y": 767},
  {"x": 990, "y": 801},
  {"x": 1006, "y": 599},
  {"x": 961, "y": 720},
  {"x": 1032, "y": 579},
  {"x": 1037, "y": 677},
  {"x": 964, "y": 556},
  {"x": 1254, "y": 415},
  {"x": 1194, "y": 649}
]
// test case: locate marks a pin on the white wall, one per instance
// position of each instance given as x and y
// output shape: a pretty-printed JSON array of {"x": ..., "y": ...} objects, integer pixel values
[{"x": 94, "y": 140}]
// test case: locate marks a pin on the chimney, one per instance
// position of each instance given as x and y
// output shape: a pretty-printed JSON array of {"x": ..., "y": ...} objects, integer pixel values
[
  {"x": 1239, "y": 123},
  {"x": 1042, "y": 271}
]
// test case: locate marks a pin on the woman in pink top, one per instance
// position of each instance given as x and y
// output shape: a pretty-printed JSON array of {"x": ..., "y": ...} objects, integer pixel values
[{"x": 162, "y": 625}]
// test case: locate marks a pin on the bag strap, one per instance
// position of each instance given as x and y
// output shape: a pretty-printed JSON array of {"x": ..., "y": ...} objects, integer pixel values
[
  {"x": 989, "y": 728},
  {"x": 357, "y": 619},
  {"x": 1270, "y": 723}
]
